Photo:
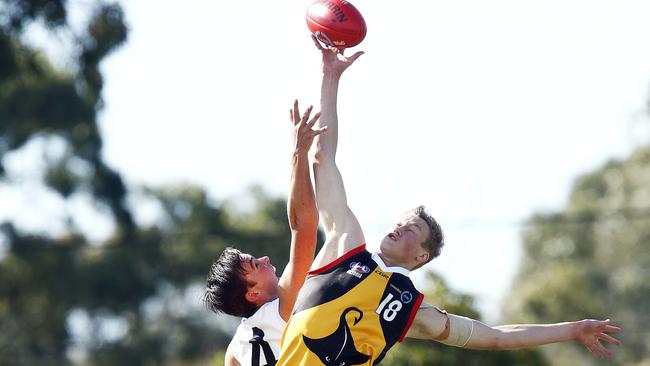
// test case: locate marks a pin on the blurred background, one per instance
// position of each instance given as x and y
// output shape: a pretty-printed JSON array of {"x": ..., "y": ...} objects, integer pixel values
[{"x": 139, "y": 138}]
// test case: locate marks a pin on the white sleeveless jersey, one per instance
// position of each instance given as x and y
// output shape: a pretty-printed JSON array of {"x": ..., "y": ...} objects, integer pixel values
[{"x": 257, "y": 339}]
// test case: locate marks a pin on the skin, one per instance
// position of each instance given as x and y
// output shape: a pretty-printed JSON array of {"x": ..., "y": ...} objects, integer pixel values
[
  {"x": 303, "y": 222},
  {"x": 402, "y": 247},
  {"x": 230, "y": 360}
]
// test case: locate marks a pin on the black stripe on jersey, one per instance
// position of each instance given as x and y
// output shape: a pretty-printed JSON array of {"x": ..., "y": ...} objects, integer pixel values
[
  {"x": 332, "y": 282},
  {"x": 395, "y": 309},
  {"x": 334, "y": 263}
]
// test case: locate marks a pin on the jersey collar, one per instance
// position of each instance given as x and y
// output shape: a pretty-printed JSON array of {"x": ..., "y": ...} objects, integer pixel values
[{"x": 385, "y": 268}]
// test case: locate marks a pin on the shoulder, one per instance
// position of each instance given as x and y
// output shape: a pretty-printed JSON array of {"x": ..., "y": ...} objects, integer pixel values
[
  {"x": 267, "y": 315},
  {"x": 357, "y": 254}
]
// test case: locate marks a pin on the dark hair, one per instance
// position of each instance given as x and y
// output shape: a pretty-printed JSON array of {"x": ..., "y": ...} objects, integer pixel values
[
  {"x": 226, "y": 285},
  {"x": 435, "y": 240}
]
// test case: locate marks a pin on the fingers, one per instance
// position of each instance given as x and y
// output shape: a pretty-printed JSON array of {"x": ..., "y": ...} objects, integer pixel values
[
  {"x": 355, "y": 56},
  {"x": 609, "y": 339},
  {"x": 594, "y": 351},
  {"x": 599, "y": 350},
  {"x": 305, "y": 116},
  {"x": 602, "y": 350},
  {"x": 317, "y": 42},
  {"x": 313, "y": 120},
  {"x": 296, "y": 114},
  {"x": 612, "y": 329}
]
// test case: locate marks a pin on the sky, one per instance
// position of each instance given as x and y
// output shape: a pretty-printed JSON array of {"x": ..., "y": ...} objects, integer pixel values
[{"x": 483, "y": 111}]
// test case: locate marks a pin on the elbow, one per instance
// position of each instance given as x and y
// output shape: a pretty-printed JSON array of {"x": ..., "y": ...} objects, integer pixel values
[
  {"x": 497, "y": 344},
  {"x": 320, "y": 154},
  {"x": 499, "y": 341}
]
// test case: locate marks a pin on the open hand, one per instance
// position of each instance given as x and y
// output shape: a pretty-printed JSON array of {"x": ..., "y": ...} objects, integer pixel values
[
  {"x": 591, "y": 332},
  {"x": 303, "y": 131}
]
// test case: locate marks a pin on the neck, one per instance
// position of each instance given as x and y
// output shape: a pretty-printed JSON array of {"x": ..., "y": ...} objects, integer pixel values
[{"x": 392, "y": 263}]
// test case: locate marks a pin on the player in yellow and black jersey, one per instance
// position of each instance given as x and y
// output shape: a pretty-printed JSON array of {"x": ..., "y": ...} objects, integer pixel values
[
  {"x": 352, "y": 310},
  {"x": 355, "y": 305}
]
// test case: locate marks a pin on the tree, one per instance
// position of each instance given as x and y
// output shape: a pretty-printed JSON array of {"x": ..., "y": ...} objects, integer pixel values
[
  {"x": 592, "y": 260},
  {"x": 140, "y": 291}
]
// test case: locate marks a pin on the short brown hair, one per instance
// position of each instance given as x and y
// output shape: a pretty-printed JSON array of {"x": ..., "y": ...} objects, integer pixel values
[
  {"x": 435, "y": 240},
  {"x": 226, "y": 286}
]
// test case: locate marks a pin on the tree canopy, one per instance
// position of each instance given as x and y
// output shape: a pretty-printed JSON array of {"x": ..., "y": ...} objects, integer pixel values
[{"x": 592, "y": 260}]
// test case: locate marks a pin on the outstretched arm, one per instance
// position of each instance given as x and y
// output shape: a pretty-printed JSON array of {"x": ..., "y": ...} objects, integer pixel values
[
  {"x": 301, "y": 210},
  {"x": 342, "y": 229},
  {"x": 431, "y": 323}
]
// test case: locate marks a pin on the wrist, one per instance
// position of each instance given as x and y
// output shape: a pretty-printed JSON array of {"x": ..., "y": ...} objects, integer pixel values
[
  {"x": 574, "y": 329},
  {"x": 331, "y": 76}
]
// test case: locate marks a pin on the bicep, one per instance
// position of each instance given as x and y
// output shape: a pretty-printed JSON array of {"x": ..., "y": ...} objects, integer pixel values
[
  {"x": 429, "y": 323},
  {"x": 434, "y": 324}
]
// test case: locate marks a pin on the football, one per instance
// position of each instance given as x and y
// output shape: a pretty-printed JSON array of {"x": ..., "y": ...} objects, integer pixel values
[{"x": 336, "y": 23}]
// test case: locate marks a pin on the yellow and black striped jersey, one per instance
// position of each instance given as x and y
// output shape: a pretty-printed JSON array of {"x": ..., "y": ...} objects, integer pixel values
[{"x": 349, "y": 312}]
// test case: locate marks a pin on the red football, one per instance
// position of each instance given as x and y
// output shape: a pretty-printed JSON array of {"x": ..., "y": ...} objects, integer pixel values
[{"x": 336, "y": 22}]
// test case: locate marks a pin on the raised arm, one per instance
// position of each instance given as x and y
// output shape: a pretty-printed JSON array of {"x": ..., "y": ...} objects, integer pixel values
[
  {"x": 431, "y": 323},
  {"x": 301, "y": 210},
  {"x": 342, "y": 229}
]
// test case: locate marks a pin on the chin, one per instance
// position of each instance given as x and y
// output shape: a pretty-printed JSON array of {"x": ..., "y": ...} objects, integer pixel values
[{"x": 386, "y": 246}]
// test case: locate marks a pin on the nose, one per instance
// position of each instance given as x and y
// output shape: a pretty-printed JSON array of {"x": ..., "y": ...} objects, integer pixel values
[{"x": 265, "y": 259}]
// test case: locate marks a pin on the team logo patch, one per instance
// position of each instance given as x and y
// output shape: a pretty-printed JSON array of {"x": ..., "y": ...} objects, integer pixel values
[
  {"x": 406, "y": 297},
  {"x": 357, "y": 266},
  {"x": 357, "y": 269},
  {"x": 338, "y": 348}
]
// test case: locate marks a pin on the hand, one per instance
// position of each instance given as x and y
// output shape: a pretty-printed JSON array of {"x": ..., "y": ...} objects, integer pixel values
[
  {"x": 334, "y": 62},
  {"x": 303, "y": 132},
  {"x": 591, "y": 332}
]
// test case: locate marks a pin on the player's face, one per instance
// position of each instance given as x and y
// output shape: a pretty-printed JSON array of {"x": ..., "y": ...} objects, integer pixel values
[
  {"x": 261, "y": 274},
  {"x": 404, "y": 243}
]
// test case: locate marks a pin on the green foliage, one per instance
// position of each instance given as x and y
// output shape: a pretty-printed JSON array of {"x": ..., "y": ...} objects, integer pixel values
[
  {"x": 414, "y": 352},
  {"x": 592, "y": 260},
  {"x": 146, "y": 281}
]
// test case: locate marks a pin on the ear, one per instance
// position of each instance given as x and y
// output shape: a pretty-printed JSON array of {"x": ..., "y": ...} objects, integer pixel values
[
  {"x": 423, "y": 257},
  {"x": 252, "y": 296}
]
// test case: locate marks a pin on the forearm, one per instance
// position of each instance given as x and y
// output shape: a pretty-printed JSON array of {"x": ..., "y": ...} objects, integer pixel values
[
  {"x": 520, "y": 335},
  {"x": 301, "y": 205},
  {"x": 529, "y": 335},
  {"x": 327, "y": 143}
]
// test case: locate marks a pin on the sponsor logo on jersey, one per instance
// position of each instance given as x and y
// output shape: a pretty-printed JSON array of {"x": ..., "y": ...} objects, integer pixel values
[
  {"x": 357, "y": 269},
  {"x": 406, "y": 297},
  {"x": 357, "y": 266},
  {"x": 384, "y": 275}
]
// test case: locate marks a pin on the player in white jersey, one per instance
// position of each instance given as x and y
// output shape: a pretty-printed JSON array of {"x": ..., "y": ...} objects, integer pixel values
[{"x": 242, "y": 285}]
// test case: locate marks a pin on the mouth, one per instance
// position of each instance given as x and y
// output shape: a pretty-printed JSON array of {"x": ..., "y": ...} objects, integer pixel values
[{"x": 392, "y": 236}]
